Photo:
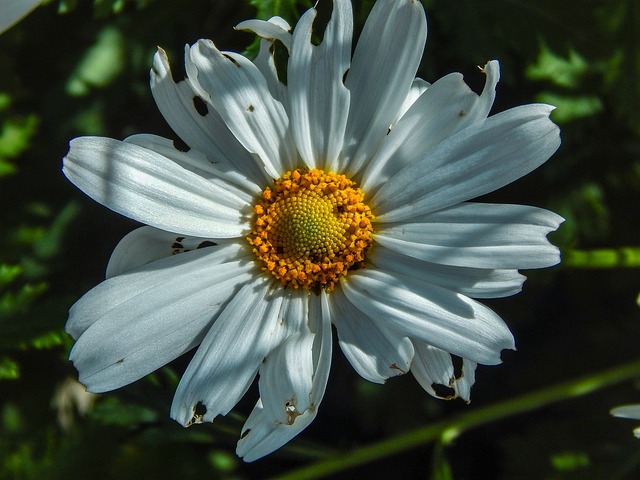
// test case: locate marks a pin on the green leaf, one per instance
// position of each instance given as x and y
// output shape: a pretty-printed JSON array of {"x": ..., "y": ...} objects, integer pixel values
[
  {"x": 11, "y": 418},
  {"x": 564, "y": 72},
  {"x": 28, "y": 235},
  {"x": 14, "y": 302},
  {"x": 223, "y": 461},
  {"x": 66, "y": 6},
  {"x": 6, "y": 168},
  {"x": 100, "y": 65},
  {"x": 571, "y": 107},
  {"x": 112, "y": 411},
  {"x": 568, "y": 461},
  {"x": 8, "y": 273},
  {"x": 49, "y": 243},
  {"x": 47, "y": 340},
  {"x": 587, "y": 215},
  {"x": 287, "y": 9},
  {"x": 5, "y": 101},
  {"x": 44, "y": 241},
  {"x": 16, "y": 134},
  {"x": 9, "y": 369}
]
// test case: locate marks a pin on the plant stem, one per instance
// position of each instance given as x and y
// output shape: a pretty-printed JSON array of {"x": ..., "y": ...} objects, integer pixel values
[
  {"x": 448, "y": 430},
  {"x": 625, "y": 257}
]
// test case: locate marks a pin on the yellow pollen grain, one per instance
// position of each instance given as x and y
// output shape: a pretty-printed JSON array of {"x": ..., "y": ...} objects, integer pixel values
[{"x": 310, "y": 228}]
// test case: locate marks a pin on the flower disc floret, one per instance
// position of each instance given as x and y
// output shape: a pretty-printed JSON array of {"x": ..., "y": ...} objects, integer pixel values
[{"x": 310, "y": 228}]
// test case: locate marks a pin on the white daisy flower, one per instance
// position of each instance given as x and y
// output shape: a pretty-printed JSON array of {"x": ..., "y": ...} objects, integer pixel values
[
  {"x": 628, "y": 411},
  {"x": 12, "y": 11},
  {"x": 339, "y": 198}
]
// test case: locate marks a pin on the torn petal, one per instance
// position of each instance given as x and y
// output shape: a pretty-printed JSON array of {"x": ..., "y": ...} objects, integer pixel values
[
  {"x": 432, "y": 366},
  {"x": 276, "y": 28},
  {"x": 260, "y": 436},
  {"x": 292, "y": 384}
]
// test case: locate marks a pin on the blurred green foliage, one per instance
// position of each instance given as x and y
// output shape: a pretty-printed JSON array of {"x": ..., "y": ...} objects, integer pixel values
[
  {"x": 100, "y": 65},
  {"x": 287, "y": 9},
  {"x": 78, "y": 67}
]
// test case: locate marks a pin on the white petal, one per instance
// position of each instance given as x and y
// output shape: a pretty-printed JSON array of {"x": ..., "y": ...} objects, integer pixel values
[
  {"x": 228, "y": 358},
  {"x": 150, "y": 188},
  {"x": 383, "y": 67},
  {"x": 260, "y": 436},
  {"x": 147, "y": 244},
  {"x": 319, "y": 101},
  {"x": 434, "y": 366},
  {"x": 268, "y": 428},
  {"x": 446, "y": 107},
  {"x": 284, "y": 407},
  {"x": 181, "y": 104},
  {"x": 462, "y": 384},
  {"x": 488, "y": 95},
  {"x": 374, "y": 351},
  {"x": 477, "y": 160},
  {"x": 196, "y": 162},
  {"x": 114, "y": 292},
  {"x": 429, "y": 313},
  {"x": 239, "y": 92},
  {"x": 12, "y": 11},
  {"x": 627, "y": 411},
  {"x": 320, "y": 324},
  {"x": 418, "y": 87},
  {"x": 270, "y": 31},
  {"x": 276, "y": 28},
  {"x": 477, "y": 235},
  {"x": 472, "y": 282},
  {"x": 265, "y": 61},
  {"x": 132, "y": 324},
  {"x": 286, "y": 376}
]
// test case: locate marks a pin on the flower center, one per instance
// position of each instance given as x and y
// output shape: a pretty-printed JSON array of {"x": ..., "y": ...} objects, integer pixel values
[{"x": 311, "y": 228}]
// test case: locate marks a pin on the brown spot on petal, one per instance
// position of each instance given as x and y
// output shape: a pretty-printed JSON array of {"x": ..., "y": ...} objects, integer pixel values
[
  {"x": 291, "y": 410},
  {"x": 393, "y": 366}
]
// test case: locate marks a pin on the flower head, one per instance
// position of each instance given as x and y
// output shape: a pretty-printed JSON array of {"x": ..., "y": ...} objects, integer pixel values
[{"x": 341, "y": 198}]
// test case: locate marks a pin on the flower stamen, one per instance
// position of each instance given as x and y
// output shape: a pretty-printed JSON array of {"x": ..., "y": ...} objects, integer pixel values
[{"x": 310, "y": 228}]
